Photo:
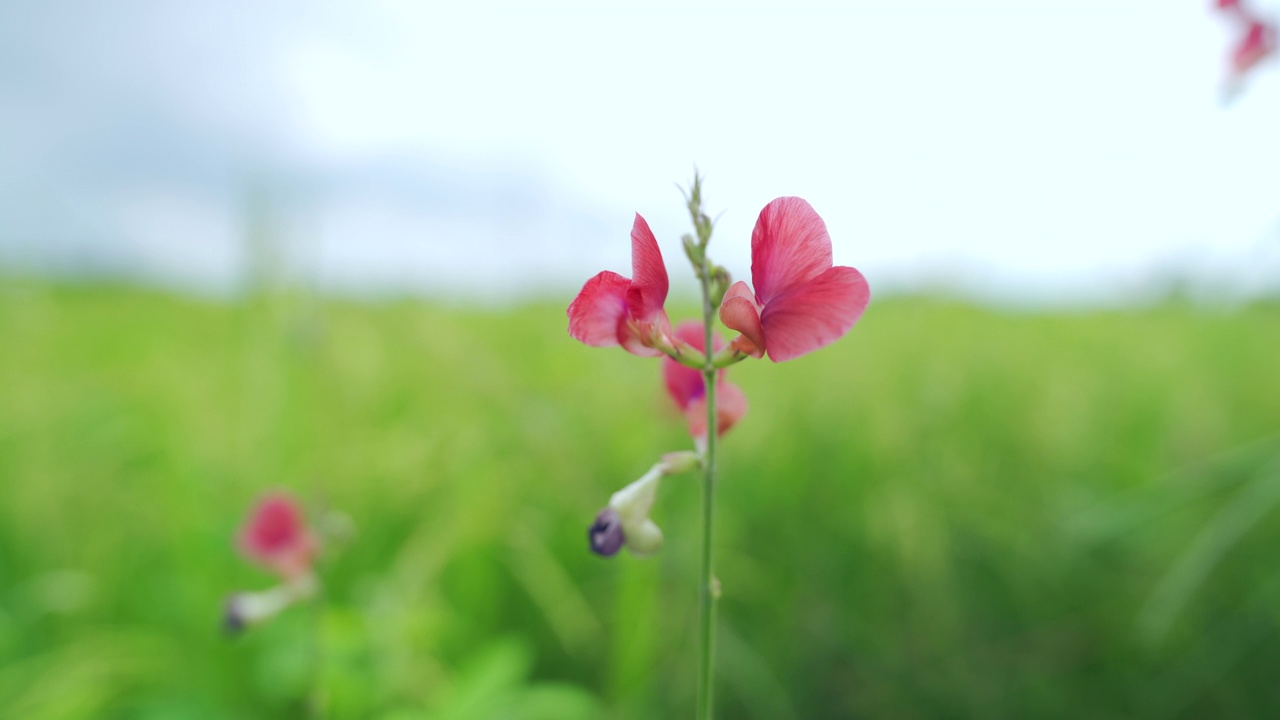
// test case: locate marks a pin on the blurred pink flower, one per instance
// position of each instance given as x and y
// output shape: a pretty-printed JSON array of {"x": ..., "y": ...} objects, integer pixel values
[
  {"x": 276, "y": 536},
  {"x": 614, "y": 310},
  {"x": 801, "y": 302},
  {"x": 687, "y": 388},
  {"x": 1258, "y": 42}
]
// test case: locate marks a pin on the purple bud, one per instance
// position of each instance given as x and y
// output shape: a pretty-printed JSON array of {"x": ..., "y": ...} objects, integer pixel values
[{"x": 606, "y": 533}]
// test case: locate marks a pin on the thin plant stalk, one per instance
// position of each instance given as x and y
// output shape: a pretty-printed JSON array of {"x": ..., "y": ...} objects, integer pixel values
[{"x": 709, "y": 591}]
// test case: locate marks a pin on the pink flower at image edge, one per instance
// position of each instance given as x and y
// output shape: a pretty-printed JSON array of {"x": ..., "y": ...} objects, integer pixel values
[
  {"x": 276, "y": 536},
  {"x": 614, "y": 310},
  {"x": 686, "y": 387},
  {"x": 1258, "y": 43},
  {"x": 801, "y": 301}
]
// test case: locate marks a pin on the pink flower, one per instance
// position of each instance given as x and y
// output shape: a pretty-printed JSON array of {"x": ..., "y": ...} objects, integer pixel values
[
  {"x": 613, "y": 310},
  {"x": 801, "y": 303},
  {"x": 276, "y": 536},
  {"x": 686, "y": 387},
  {"x": 1258, "y": 42}
]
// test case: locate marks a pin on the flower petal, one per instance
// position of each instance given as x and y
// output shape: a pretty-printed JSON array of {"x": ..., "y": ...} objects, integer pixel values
[
  {"x": 731, "y": 405},
  {"x": 739, "y": 312},
  {"x": 693, "y": 333},
  {"x": 789, "y": 246},
  {"x": 276, "y": 536},
  {"x": 644, "y": 537},
  {"x": 1258, "y": 42},
  {"x": 634, "y": 501},
  {"x": 814, "y": 314},
  {"x": 598, "y": 310},
  {"x": 649, "y": 274}
]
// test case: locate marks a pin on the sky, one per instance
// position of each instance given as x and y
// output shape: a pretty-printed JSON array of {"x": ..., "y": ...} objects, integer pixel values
[{"x": 1036, "y": 151}]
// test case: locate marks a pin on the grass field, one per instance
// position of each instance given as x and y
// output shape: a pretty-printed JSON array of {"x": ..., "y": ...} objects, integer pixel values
[{"x": 954, "y": 512}]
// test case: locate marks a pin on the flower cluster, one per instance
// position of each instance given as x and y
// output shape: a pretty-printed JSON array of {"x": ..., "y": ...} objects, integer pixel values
[
  {"x": 801, "y": 302},
  {"x": 1255, "y": 42},
  {"x": 276, "y": 536}
]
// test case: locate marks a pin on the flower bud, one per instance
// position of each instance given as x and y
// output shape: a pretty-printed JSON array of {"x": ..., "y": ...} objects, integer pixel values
[
  {"x": 605, "y": 534},
  {"x": 625, "y": 521},
  {"x": 644, "y": 538},
  {"x": 692, "y": 250},
  {"x": 248, "y": 608},
  {"x": 720, "y": 282}
]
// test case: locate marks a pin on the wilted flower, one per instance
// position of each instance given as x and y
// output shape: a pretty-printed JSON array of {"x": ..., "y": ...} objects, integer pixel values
[
  {"x": 801, "y": 302},
  {"x": 614, "y": 310},
  {"x": 688, "y": 389}
]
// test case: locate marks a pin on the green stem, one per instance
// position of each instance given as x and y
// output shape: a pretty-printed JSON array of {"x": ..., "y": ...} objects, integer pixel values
[{"x": 709, "y": 591}]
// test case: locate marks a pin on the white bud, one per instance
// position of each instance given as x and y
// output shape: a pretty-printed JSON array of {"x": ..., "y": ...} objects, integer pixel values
[{"x": 644, "y": 539}]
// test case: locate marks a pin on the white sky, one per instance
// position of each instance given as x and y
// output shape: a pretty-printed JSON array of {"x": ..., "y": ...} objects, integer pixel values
[{"x": 1030, "y": 149}]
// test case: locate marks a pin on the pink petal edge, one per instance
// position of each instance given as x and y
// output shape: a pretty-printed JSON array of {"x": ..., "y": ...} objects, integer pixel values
[
  {"x": 599, "y": 309},
  {"x": 731, "y": 405},
  {"x": 789, "y": 246},
  {"x": 649, "y": 282},
  {"x": 815, "y": 314}
]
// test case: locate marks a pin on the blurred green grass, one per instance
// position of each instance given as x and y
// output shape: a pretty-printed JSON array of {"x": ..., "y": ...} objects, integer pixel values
[{"x": 953, "y": 512}]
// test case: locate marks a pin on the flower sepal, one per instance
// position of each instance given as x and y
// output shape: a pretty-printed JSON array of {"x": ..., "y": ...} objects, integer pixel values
[
  {"x": 682, "y": 352},
  {"x": 727, "y": 356}
]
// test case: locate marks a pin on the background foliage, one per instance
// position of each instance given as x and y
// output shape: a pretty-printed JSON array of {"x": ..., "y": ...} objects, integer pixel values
[{"x": 953, "y": 512}]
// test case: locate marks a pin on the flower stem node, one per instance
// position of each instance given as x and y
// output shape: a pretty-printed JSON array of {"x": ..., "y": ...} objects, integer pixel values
[{"x": 687, "y": 386}]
